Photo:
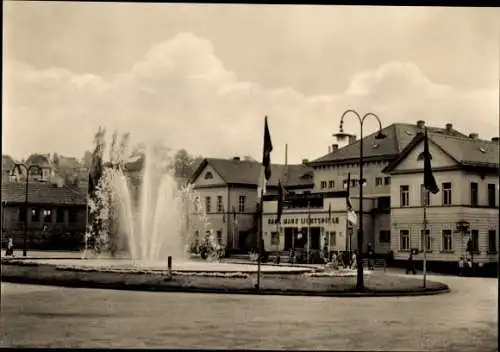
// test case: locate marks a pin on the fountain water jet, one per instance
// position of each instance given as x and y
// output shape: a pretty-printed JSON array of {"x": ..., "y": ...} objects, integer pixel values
[{"x": 153, "y": 222}]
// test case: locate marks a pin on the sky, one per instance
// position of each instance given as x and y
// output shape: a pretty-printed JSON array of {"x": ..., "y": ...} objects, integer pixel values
[{"x": 202, "y": 77}]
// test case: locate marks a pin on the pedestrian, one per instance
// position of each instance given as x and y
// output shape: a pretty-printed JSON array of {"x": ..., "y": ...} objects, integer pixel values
[
  {"x": 371, "y": 256},
  {"x": 335, "y": 263},
  {"x": 354, "y": 263},
  {"x": 461, "y": 263},
  {"x": 410, "y": 266},
  {"x": 10, "y": 247}
]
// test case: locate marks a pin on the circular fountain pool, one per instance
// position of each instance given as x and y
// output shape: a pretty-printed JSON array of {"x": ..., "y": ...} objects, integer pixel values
[{"x": 189, "y": 266}]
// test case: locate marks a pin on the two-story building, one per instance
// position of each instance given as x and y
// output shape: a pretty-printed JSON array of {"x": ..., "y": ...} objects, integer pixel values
[
  {"x": 227, "y": 191},
  {"x": 331, "y": 171},
  {"x": 467, "y": 172}
]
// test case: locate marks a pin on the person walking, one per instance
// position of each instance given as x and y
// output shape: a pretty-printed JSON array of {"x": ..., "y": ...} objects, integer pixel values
[
  {"x": 10, "y": 247},
  {"x": 461, "y": 263},
  {"x": 410, "y": 267}
]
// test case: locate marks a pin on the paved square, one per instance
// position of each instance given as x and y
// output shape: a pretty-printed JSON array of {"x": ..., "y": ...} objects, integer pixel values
[{"x": 43, "y": 316}]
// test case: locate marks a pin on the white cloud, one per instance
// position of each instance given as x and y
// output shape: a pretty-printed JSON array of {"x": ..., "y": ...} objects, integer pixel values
[{"x": 180, "y": 92}]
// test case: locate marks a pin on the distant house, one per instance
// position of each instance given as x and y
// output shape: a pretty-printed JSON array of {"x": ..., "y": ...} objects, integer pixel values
[
  {"x": 55, "y": 214},
  {"x": 9, "y": 170},
  {"x": 43, "y": 169}
]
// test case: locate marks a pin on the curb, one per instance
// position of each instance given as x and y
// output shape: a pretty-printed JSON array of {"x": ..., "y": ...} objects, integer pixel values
[{"x": 158, "y": 288}]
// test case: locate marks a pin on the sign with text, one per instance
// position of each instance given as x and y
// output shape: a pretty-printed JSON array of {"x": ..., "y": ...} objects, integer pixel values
[{"x": 313, "y": 220}]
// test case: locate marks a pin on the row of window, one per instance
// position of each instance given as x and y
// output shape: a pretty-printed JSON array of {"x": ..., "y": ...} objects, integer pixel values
[
  {"x": 446, "y": 240},
  {"x": 46, "y": 215},
  {"x": 379, "y": 181},
  {"x": 220, "y": 204},
  {"x": 446, "y": 199}
]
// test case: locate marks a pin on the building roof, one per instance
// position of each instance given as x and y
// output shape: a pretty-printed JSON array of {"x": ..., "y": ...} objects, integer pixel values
[
  {"x": 8, "y": 163},
  {"x": 465, "y": 151},
  {"x": 69, "y": 162},
  {"x": 248, "y": 172},
  {"x": 42, "y": 193},
  {"x": 41, "y": 160},
  {"x": 398, "y": 136}
]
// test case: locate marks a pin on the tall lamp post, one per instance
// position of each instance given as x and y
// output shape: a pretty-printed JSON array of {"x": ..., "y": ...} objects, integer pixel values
[
  {"x": 18, "y": 166},
  {"x": 342, "y": 136}
]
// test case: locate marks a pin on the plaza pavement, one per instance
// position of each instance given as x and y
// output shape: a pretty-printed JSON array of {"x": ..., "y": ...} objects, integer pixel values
[{"x": 44, "y": 316}]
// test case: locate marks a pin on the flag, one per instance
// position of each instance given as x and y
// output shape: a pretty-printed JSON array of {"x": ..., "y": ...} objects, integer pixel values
[
  {"x": 280, "y": 202},
  {"x": 266, "y": 160},
  {"x": 223, "y": 215},
  {"x": 234, "y": 213},
  {"x": 330, "y": 212},
  {"x": 351, "y": 215},
  {"x": 429, "y": 180}
]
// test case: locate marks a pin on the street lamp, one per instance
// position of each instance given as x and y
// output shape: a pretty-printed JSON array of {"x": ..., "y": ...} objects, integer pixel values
[
  {"x": 18, "y": 167},
  {"x": 342, "y": 136}
]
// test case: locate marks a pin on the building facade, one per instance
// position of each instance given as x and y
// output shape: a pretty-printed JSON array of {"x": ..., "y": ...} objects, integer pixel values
[
  {"x": 55, "y": 215},
  {"x": 466, "y": 171},
  {"x": 227, "y": 191}
]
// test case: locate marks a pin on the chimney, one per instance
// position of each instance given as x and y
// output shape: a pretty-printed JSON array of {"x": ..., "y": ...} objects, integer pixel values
[
  {"x": 305, "y": 161},
  {"x": 449, "y": 127},
  {"x": 495, "y": 139},
  {"x": 473, "y": 136},
  {"x": 421, "y": 124},
  {"x": 236, "y": 158},
  {"x": 335, "y": 147},
  {"x": 352, "y": 139}
]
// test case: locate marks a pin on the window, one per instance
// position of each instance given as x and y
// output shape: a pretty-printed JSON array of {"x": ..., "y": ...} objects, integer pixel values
[
  {"x": 344, "y": 183},
  {"x": 72, "y": 215},
  {"x": 209, "y": 176},
  {"x": 474, "y": 234},
  {"x": 447, "y": 241},
  {"x": 425, "y": 198},
  {"x": 405, "y": 195},
  {"x": 384, "y": 203},
  {"x": 332, "y": 239},
  {"x": 331, "y": 184},
  {"x": 426, "y": 240},
  {"x": 35, "y": 214},
  {"x": 219, "y": 236},
  {"x": 384, "y": 236},
  {"x": 354, "y": 182},
  {"x": 207, "y": 204},
  {"x": 378, "y": 181},
  {"x": 323, "y": 184},
  {"x": 473, "y": 193},
  {"x": 220, "y": 207},
  {"x": 364, "y": 182},
  {"x": 492, "y": 241},
  {"x": 275, "y": 239},
  {"x": 197, "y": 204},
  {"x": 404, "y": 240},
  {"x": 241, "y": 204},
  {"x": 22, "y": 214},
  {"x": 447, "y": 193},
  {"x": 491, "y": 195},
  {"x": 59, "y": 215},
  {"x": 47, "y": 215},
  {"x": 387, "y": 180}
]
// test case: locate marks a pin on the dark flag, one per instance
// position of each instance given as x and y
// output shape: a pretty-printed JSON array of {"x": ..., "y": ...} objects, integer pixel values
[
  {"x": 266, "y": 154},
  {"x": 429, "y": 180},
  {"x": 330, "y": 212},
  {"x": 223, "y": 215},
  {"x": 234, "y": 212},
  {"x": 280, "y": 201},
  {"x": 351, "y": 215}
]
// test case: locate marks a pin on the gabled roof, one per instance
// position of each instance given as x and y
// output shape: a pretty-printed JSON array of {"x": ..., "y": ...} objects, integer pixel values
[
  {"x": 8, "y": 163},
  {"x": 467, "y": 152},
  {"x": 42, "y": 193},
  {"x": 398, "y": 136},
  {"x": 248, "y": 172}
]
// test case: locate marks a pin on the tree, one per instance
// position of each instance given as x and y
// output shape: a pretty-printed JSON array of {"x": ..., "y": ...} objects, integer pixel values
[{"x": 86, "y": 159}]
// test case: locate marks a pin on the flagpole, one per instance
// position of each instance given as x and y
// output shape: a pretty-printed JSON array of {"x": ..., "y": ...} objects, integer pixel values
[
  {"x": 425, "y": 237},
  {"x": 308, "y": 229},
  {"x": 259, "y": 245}
]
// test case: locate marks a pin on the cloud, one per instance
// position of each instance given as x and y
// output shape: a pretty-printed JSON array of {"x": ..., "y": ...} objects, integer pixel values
[{"x": 181, "y": 93}]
